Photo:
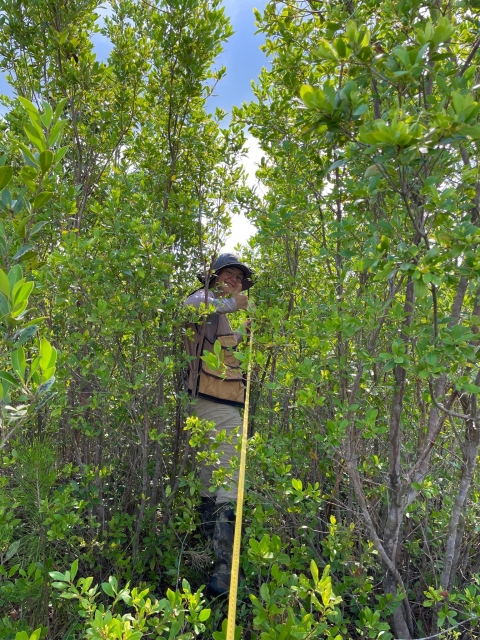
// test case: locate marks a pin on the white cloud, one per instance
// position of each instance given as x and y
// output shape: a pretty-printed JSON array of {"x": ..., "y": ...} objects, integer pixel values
[
  {"x": 242, "y": 229},
  {"x": 251, "y": 162},
  {"x": 235, "y": 7}
]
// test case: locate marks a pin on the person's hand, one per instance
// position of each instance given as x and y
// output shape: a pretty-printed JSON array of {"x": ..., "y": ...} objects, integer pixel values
[{"x": 240, "y": 298}]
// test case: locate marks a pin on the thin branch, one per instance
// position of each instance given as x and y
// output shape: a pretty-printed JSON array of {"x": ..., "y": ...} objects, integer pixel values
[
  {"x": 425, "y": 453},
  {"x": 435, "y": 312},
  {"x": 440, "y": 633},
  {"x": 467, "y": 62},
  {"x": 357, "y": 485},
  {"x": 421, "y": 233},
  {"x": 6, "y": 438},
  {"x": 439, "y": 406},
  {"x": 154, "y": 7}
]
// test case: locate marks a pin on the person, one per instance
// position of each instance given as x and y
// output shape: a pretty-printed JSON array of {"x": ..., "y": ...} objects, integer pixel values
[{"x": 218, "y": 398}]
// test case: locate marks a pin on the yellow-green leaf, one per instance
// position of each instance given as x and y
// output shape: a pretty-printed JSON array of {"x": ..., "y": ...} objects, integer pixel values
[
  {"x": 6, "y": 174},
  {"x": 45, "y": 160},
  {"x": 4, "y": 284},
  {"x": 42, "y": 199}
]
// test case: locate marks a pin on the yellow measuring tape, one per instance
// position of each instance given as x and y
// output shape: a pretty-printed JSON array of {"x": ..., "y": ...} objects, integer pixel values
[{"x": 232, "y": 601}]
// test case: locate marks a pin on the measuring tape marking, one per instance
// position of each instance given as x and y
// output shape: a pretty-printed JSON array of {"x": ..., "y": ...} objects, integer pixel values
[{"x": 232, "y": 600}]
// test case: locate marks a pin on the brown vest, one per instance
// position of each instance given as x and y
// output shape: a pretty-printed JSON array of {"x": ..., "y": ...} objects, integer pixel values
[{"x": 211, "y": 384}]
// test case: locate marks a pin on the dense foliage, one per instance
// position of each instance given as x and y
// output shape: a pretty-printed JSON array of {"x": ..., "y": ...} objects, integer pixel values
[{"x": 117, "y": 184}]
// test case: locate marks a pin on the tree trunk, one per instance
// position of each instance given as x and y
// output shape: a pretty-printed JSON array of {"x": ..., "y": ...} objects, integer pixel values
[{"x": 469, "y": 460}]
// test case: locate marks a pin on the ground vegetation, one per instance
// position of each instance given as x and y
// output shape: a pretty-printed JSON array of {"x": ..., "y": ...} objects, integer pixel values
[{"x": 117, "y": 184}]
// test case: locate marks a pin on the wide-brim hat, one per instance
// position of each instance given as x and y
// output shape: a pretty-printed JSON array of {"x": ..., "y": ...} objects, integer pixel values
[{"x": 229, "y": 260}]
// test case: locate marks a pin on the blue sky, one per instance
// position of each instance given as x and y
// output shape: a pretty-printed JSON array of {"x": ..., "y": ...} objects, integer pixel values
[
  {"x": 244, "y": 60},
  {"x": 241, "y": 56}
]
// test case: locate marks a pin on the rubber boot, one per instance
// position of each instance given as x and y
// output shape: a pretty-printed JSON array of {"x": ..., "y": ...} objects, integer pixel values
[
  {"x": 207, "y": 511},
  {"x": 222, "y": 549}
]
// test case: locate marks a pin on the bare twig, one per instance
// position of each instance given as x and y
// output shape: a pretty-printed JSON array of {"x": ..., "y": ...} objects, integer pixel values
[
  {"x": 436, "y": 635},
  {"x": 452, "y": 414},
  {"x": 467, "y": 62}
]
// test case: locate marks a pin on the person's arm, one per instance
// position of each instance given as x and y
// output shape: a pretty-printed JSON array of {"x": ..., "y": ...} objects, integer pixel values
[
  {"x": 237, "y": 302},
  {"x": 220, "y": 305},
  {"x": 246, "y": 330}
]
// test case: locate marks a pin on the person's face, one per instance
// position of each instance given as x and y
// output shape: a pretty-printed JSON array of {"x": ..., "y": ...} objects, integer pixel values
[{"x": 228, "y": 280}]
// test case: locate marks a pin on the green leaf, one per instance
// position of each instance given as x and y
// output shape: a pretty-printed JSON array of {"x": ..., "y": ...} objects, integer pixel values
[
  {"x": 19, "y": 309},
  {"x": 36, "y": 137},
  {"x": 30, "y": 108},
  {"x": 20, "y": 226},
  {"x": 34, "y": 321},
  {"x": 55, "y": 133},
  {"x": 42, "y": 199},
  {"x": 5, "y": 306},
  {"x": 6, "y": 174},
  {"x": 107, "y": 588},
  {"x": 470, "y": 387},
  {"x": 14, "y": 275},
  {"x": 340, "y": 47},
  {"x": 60, "y": 153},
  {"x": 19, "y": 363},
  {"x": 113, "y": 581},
  {"x": 25, "y": 334},
  {"x": 360, "y": 110},
  {"x": 324, "y": 51},
  {"x": 420, "y": 289},
  {"x": 4, "y": 284},
  {"x": 59, "y": 109},
  {"x": 204, "y": 615},
  {"x": 47, "y": 375},
  {"x": 264, "y": 592},
  {"x": 37, "y": 227},
  {"x": 472, "y": 132},
  {"x": 56, "y": 575},
  {"x": 45, "y": 160},
  {"x": 305, "y": 91},
  {"x": 297, "y": 484},
  {"x": 19, "y": 203},
  {"x": 4, "y": 375},
  {"x": 74, "y": 569},
  {"x": 23, "y": 251},
  {"x": 12, "y": 549},
  {"x": 47, "y": 116},
  {"x": 13, "y": 570},
  {"x": 28, "y": 156},
  {"x": 336, "y": 164},
  {"x": 21, "y": 291},
  {"x": 48, "y": 355},
  {"x": 443, "y": 31},
  {"x": 326, "y": 592},
  {"x": 45, "y": 386},
  {"x": 351, "y": 31},
  {"x": 372, "y": 170}
]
